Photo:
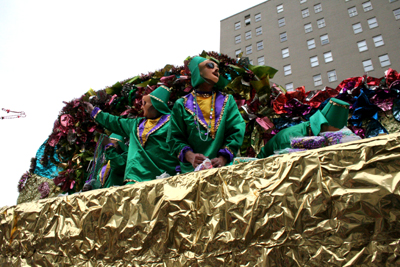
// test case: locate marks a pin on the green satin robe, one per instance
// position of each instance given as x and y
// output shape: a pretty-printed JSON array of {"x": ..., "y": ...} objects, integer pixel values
[
  {"x": 146, "y": 162},
  {"x": 117, "y": 167},
  {"x": 282, "y": 139},
  {"x": 183, "y": 132}
]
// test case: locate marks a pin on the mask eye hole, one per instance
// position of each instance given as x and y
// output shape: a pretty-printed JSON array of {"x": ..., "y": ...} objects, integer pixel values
[{"x": 210, "y": 65}]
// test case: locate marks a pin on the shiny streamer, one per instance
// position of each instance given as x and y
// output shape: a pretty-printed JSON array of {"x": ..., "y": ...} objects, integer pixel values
[{"x": 336, "y": 206}]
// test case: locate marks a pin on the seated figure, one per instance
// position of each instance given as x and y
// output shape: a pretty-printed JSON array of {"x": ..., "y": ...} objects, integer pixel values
[
  {"x": 205, "y": 123},
  {"x": 148, "y": 152},
  {"x": 333, "y": 117}
]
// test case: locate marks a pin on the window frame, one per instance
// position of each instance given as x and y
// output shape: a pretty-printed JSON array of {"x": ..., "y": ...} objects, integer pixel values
[
  {"x": 263, "y": 61},
  {"x": 288, "y": 71},
  {"x": 308, "y": 45},
  {"x": 280, "y": 22},
  {"x": 388, "y": 59},
  {"x": 375, "y": 42},
  {"x": 319, "y": 80},
  {"x": 285, "y": 37},
  {"x": 329, "y": 57},
  {"x": 305, "y": 15},
  {"x": 354, "y": 29},
  {"x": 237, "y": 52},
  {"x": 292, "y": 87},
  {"x": 318, "y": 8},
  {"x": 327, "y": 38},
  {"x": 314, "y": 62},
  {"x": 236, "y": 25},
  {"x": 371, "y": 65},
  {"x": 246, "y": 37},
  {"x": 262, "y": 45},
  {"x": 376, "y": 22},
  {"x": 366, "y": 46},
  {"x": 257, "y": 17},
  {"x": 352, "y": 11},
  {"x": 318, "y": 23},
  {"x": 308, "y": 29},
  {"x": 396, "y": 16},
  {"x": 329, "y": 77},
  {"x": 247, "y": 20},
  {"x": 284, "y": 53},
  {"x": 369, "y": 8},
  {"x": 249, "y": 49},
  {"x": 279, "y": 8},
  {"x": 238, "y": 40}
]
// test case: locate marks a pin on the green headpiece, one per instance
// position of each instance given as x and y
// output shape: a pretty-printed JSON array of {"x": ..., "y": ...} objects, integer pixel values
[
  {"x": 335, "y": 113},
  {"x": 159, "y": 99},
  {"x": 120, "y": 140},
  {"x": 196, "y": 78}
]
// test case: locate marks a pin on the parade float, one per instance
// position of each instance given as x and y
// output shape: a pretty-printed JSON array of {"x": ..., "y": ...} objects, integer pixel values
[{"x": 336, "y": 205}]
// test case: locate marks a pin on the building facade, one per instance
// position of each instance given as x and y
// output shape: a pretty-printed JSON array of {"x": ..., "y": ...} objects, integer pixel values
[{"x": 316, "y": 43}]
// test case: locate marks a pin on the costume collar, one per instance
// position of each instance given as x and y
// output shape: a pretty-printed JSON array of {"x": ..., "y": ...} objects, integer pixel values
[{"x": 163, "y": 120}]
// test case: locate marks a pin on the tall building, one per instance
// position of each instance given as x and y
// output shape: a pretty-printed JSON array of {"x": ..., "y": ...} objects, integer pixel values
[{"x": 316, "y": 43}]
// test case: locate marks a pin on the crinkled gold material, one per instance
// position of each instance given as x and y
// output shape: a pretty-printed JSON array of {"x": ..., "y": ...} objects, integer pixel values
[{"x": 335, "y": 206}]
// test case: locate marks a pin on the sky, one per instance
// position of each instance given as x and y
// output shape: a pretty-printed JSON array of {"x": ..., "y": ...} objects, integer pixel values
[{"x": 55, "y": 51}]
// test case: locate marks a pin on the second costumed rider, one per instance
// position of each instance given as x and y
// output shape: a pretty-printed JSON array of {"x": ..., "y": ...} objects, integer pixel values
[
  {"x": 148, "y": 153},
  {"x": 205, "y": 123}
]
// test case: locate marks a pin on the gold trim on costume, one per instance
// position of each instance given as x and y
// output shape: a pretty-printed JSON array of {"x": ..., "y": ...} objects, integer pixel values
[
  {"x": 151, "y": 130},
  {"x": 339, "y": 105},
  {"x": 156, "y": 98},
  {"x": 233, "y": 154},
  {"x": 94, "y": 117},
  {"x": 166, "y": 88},
  {"x": 130, "y": 180}
]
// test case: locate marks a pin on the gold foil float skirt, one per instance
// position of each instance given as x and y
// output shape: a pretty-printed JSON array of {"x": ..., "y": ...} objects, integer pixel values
[{"x": 335, "y": 206}]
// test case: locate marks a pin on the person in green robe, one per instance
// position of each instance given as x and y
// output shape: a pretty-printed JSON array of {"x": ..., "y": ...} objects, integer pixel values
[
  {"x": 205, "y": 123},
  {"x": 116, "y": 153},
  {"x": 148, "y": 153},
  {"x": 333, "y": 117}
]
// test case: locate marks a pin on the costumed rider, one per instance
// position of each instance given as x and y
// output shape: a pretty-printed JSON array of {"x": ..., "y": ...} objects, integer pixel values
[
  {"x": 148, "y": 153},
  {"x": 116, "y": 153},
  {"x": 205, "y": 123},
  {"x": 333, "y": 117}
]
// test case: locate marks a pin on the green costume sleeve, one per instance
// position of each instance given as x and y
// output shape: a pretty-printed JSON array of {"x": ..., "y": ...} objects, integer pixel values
[
  {"x": 235, "y": 127},
  {"x": 115, "y": 124},
  {"x": 177, "y": 135},
  {"x": 117, "y": 161}
]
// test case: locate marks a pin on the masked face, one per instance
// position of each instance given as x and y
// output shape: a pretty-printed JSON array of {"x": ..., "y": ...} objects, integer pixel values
[
  {"x": 209, "y": 71},
  {"x": 148, "y": 110}
]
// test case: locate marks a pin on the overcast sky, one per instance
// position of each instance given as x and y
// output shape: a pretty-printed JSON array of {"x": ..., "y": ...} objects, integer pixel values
[{"x": 54, "y": 51}]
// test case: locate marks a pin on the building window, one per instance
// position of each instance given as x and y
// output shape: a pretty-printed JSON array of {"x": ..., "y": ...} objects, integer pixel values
[
  {"x": 362, "y": 46},
  {"x": 396, "y": 13},
  {"x": 372, "y": 23},
  {"x": 352, "y": 11},
  {"x": 324, "y": 39},
  {"x": 237, "y": 25},
  {"x": 357, "y": 28},
  {"x": 283, "y": 37},
  {"x": 249, "y": 50},
  {"x": 257, "y": 17},
  {"x": 251, "y": 62},
  {"x": 384, "y": 60},
  {"x": 260, "y": 61},
  {"x": 287, "y": 70},
  {"x": 238, "y": 39},
  {"x": 285, "y": 52},
  {"x": 289, "y": 87},
  {"x": 321, "y": 23},
  {"x": 318, "y": 8},
  {"x": 247, "y": 20},
  {"x": 367, "y": 65},
  {"x": 378, "y": 40},
  {"x": 332, "y": 76},
  {"x": 247, "y": 35},
  {"x": 258, "y": 31},
  {"x": 367, "y": 6},
  {"x": 314, "y": 61},
  {"x": 281, "y": 22},
  {"x": 302, "y": 1},
  {"x": 311, "y": 44},
  {"x": 260, "y": 45},
  {"x": 308, "y": 27},
  {"x": 305, "y": 13},
  {"x": 328, "y": 57},
  {"x": 237, "y": 52},
  {"x": 391, "y": 1},
  {"x": 317, "y": 80},
  {"x": 279, "y": 8}
]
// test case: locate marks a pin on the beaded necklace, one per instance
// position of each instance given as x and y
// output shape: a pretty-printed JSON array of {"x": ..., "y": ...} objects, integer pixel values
[{"x": 196, "y": 117}]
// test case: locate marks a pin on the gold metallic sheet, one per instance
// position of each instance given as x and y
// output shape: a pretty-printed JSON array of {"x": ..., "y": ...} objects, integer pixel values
[{"x": 335, "y": 206}]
